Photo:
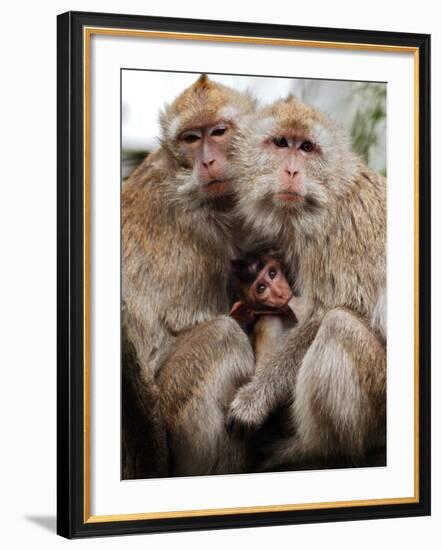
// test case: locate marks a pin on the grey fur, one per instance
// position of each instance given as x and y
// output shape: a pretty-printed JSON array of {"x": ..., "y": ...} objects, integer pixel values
[{"x": 335, "y": 246}]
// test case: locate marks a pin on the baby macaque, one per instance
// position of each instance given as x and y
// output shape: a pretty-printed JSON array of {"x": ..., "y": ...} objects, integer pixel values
[{"x": 265, "y": 305}]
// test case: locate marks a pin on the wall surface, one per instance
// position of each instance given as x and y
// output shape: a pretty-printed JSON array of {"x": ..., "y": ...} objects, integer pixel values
[{"x": 27, "y": 289}]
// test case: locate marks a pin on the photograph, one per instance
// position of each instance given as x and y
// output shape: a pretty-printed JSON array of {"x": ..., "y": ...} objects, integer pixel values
[
  {"x": 232, "y": 263},
  {"x": 253, "y": 261}
]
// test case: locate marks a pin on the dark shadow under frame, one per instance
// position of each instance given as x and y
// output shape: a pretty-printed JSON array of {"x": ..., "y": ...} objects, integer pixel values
[{"x": 71, "y": 500}]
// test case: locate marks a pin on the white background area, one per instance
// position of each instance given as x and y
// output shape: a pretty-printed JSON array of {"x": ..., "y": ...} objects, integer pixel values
[
  {"x": 28, "y": 231},
  {"x": 341, "y": 100},
  {"x": 111, "y": 496}
]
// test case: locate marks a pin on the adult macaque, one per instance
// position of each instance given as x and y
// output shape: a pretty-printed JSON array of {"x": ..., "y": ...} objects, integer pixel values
[
  {"x": 301, "y": 187},
  {"x": 177, "y": 249}
]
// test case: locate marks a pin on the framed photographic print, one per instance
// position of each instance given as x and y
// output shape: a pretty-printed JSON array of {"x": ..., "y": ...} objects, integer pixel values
[{"x": 239, "y": 207}]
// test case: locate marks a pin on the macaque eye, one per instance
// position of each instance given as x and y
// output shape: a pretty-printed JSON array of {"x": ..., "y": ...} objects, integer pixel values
[
  {"x": 190, "y": 138},
  {"x": 260, "y": 288},
  {"x": 221, "y": 130},
  {"x": 307, "y": 146},
  {"x": 272, "y": 273},
  {"x": 280, "y": 141}
]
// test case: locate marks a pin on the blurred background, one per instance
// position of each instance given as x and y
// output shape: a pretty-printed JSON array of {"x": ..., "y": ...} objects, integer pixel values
[{"x": 359, "y": 107}]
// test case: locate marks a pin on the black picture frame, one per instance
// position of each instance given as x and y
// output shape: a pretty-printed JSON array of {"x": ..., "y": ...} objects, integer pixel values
[{"x": 72, "y": 508}]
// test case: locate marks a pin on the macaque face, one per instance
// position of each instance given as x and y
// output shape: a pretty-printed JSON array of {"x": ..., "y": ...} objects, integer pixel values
[
  {"x": 270, "y": 288},
  {"x": 294, "y": 153},
  {"x": 291, "y": 160},
  {"x": 295, "y": 175},
  {"x": 197, "y": 131},
  {"x": 206, "y": 149}
]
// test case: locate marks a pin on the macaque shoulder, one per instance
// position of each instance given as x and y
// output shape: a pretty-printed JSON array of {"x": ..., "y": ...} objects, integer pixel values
[
  {"x": 359, "y": 225},
  {"x": 144, "y": 195},
  {"x": 154, "y": 168}
]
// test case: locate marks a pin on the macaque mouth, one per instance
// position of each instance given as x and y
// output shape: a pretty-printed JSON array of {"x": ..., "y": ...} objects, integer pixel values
[
  {"x": 286, "y": 306},
  {"x": 215, "y": 182},
  {"x": 263, "y": 309},
  {"x": 216, "y": 188},
  {"x": 289, "y": 196}
]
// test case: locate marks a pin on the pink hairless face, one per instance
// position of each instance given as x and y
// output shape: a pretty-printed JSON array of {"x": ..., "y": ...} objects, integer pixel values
[
  {"x": 270, "y": 287},
  {"x": 208, "y": 148}
]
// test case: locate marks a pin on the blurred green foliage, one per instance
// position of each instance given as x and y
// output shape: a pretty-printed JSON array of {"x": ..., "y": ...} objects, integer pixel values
[
  {"x": 369, "y": 119},
  {"x": 130, "y": 159}
]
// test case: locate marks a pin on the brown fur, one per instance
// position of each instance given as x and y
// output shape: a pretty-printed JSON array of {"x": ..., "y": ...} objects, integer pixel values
[
  {"x": 299, "y": 119},
  {"x": 176, "y": 254},
  {"x": 200, "y": 105}
]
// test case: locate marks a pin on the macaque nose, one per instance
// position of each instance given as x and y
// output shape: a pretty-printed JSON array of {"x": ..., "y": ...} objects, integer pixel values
[
  {"x": 208, "y": 163},
  {"x": 277, "y": 291},
  {"x": 291, "y": 173}
]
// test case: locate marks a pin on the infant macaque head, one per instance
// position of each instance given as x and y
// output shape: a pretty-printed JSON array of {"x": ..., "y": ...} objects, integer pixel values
[{"x": 260, "y": 283}]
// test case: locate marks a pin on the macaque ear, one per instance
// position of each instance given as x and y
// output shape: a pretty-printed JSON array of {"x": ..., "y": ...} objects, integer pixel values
[
  {"x": 202, "y": 82},
  {"x": 241, "y": 313}
]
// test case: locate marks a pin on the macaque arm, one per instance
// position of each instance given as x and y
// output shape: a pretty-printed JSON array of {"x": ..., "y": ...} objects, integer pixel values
[
  {"x": 274, "y": 382},
  {"x": 268, "y": 330}
]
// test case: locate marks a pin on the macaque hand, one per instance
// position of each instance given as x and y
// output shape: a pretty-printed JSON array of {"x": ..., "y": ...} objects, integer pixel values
[{"x": 246, "y": 413}]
